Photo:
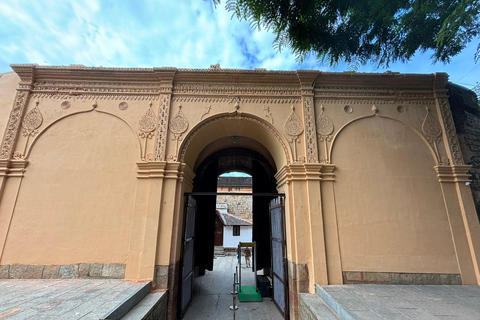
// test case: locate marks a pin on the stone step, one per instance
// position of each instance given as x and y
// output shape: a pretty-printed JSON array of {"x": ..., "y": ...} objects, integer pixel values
[
  {"x": 152, "y": 307},
  {"x": 334, "y": 305},
  {"x": 312, "y": 308},
  {"x": 128, "y": 304}
]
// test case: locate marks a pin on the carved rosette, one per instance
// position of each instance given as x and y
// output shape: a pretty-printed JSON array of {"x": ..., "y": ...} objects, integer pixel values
[
  {"x": 178, "y": 125},
  {"x": 162, "y": 124},
  {"x": 293, "y": 127},
  {"x": 13, "y": 125},
  {"x": 310, "y": 135},
  {"x": 147, "y": 125},
  {"x": 324, "y": 131}
]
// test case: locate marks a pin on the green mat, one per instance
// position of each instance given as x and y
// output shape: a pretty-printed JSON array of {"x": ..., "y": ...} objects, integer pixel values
[{"x": 249, "y": 293}]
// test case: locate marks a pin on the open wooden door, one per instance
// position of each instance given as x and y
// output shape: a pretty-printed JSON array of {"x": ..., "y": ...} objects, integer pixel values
[
  {"x": 279, "y": 255},
  {"x": 188, "y": 255}
]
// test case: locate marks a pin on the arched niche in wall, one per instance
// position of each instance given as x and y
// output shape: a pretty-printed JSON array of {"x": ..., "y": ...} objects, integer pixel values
[
  {"x": 390, "y": 209},
  {"x": 76, "y": 200}
]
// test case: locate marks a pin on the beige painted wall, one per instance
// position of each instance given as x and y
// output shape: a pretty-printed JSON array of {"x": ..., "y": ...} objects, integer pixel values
[
  {"x": 76, "y": 200},
  {"x": 391, "y": 214}
]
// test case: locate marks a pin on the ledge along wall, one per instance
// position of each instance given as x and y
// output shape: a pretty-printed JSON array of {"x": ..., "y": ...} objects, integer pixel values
[{"x": 94, "y": 163}]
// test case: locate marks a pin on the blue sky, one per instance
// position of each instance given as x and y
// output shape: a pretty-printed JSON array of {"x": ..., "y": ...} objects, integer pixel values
[{"x": 158, "y": 33}]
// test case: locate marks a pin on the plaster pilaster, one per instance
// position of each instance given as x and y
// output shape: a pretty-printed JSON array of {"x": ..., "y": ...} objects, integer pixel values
[
  {"x": 329, "y": 210},
  {"x": 13, "y": 171},
  {"x": 306, "y": 79},
  {"x": 146, "y": 219},
  {"x": 462, "y": 219}
]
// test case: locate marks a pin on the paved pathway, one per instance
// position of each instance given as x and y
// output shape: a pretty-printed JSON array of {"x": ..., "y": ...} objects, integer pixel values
[
  {"x": 61, "y": 299},
  {"x": 212, "y": 298},
  {"x": 371, "y": 302}
]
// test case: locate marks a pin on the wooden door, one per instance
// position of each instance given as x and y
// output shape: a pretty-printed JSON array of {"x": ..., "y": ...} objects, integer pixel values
[{"x": 279, "y": 256}]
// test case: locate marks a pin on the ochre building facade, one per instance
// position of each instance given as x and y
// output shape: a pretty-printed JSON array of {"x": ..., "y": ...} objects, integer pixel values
[{"x": 95, "y": 163}]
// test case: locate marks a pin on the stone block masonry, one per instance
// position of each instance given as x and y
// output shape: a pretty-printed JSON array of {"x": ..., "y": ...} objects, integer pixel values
[
  {"x": 356, "y": 277},
  {"x": 72, "y": 271}
]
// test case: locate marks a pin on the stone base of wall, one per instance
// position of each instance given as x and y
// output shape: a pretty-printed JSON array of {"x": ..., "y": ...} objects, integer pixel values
[
  {"x": 72, "y": 271},
  {"x": 351, "y": 277}
]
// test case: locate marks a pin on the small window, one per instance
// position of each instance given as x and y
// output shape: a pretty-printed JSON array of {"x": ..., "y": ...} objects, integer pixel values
[{"x": 236, "y": 230}]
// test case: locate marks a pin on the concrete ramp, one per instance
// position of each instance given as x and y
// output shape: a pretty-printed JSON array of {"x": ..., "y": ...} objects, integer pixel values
[{"x": 370, "y": 302}]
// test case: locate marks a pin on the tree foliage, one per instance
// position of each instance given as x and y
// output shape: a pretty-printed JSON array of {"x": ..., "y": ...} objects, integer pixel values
[{"x": 361, "y": 31}]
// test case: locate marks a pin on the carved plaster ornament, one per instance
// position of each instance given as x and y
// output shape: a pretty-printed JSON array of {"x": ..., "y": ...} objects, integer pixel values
[
  {"x": 206, "y": 111},
  {"x": 13, "y": 125},
  {"x": 123, "y": 106},
  {"x": 178, "y": 125},
  {"x": 324, "y": 131},
  {"x": 65, "y": 105},
  {"x": 147, "y": 125},
  {"x": 31, "y": 122},
  {"x": 374, "y": 109},
  {"x": 451, "y": 134},
  {"x": 293, "y": 127},
  {"x": 431, "y": 128},
  {"x": 268, "y": 114},
  {"x": 236, "y": 106}
]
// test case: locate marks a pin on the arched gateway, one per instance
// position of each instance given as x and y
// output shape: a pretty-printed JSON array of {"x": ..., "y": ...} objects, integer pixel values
[{"x": 96, "y": 164}]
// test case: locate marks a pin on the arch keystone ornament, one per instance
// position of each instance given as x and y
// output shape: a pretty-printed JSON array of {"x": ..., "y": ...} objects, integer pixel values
[
  {"x": 147, "y": 125},
  {"x": 324, "y": 131},
  {"x": 30, "y": 124},
  {"x": 294, "y": 128},
  {"x": 178, "y": 125},
  {"x": 431, "y": 128}
]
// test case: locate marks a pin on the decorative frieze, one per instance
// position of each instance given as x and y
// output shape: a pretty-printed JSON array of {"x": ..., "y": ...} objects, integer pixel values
[
  {"x": 227, "y": 99},
  {"x": 13, "y": 124},
  {"x": 162, "y": 125},
  {"x": 310, "y": 134},
  {"x": 451, "y": 133}
]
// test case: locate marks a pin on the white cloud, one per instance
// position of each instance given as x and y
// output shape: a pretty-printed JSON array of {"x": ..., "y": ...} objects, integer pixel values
[{"x": 184, "y": 34}]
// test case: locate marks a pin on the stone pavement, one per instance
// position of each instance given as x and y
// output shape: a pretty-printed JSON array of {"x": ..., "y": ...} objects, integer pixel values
[
  {"x": 62, "y": 299},
  {"x": 366, "y": 301},
  {"x": 212, "y": 298}
]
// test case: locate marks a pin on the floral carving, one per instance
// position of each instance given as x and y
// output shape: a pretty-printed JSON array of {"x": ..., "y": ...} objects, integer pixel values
[
  {"x": 162, "y": 124},
  {"x": 324, "y": 125},
  {"x": 324, "y": 130},
  {"x": 147, "y": 125},
  {"x": 178, "y": 125},
  {"x": 430, "y": 126},
  {"x": 123, "y": 106},
  {"x": 32, "y": 121},
  {"x": 293, "y": 127},
  {"x": 310, "y": 136},
  {"x": 451, "y": 134},
  {"x": 147, "y": 121},
  {"x": 13, "y": 125}
]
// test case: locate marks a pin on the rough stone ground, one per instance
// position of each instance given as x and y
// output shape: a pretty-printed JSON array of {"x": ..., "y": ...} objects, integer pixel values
[
  {"x": 371, "y": 302},
  {"x": 212, "y": 298},
  {"x": 62, "y": 299}
]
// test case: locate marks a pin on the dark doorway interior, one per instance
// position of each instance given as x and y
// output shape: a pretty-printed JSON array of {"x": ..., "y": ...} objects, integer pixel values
[{"x": 263, "y": 181}]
